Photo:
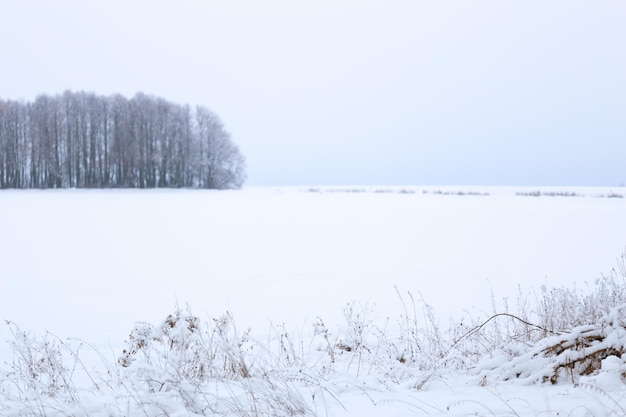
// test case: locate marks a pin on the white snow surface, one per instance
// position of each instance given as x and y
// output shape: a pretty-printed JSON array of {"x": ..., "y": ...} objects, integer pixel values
[{"x": 89, "y": 264}]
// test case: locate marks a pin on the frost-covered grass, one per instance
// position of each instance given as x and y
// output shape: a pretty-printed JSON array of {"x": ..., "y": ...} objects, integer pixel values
[
  {"x": 184, "y": 365},
  {"x": 282, "y": 302}
]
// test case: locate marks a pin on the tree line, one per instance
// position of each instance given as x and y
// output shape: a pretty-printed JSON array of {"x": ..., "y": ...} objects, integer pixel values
[{"x": 83, "y": 140}]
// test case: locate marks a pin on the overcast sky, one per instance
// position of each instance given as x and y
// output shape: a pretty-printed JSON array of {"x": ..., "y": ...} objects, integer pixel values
[{"x": 329, "y": 92}]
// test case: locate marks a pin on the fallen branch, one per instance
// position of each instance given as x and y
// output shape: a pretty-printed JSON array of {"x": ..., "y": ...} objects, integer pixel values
[{"x": 477, "y": 328}]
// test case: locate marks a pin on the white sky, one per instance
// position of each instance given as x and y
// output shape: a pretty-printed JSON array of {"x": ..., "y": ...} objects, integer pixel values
[{"x": 356, "y": 92}]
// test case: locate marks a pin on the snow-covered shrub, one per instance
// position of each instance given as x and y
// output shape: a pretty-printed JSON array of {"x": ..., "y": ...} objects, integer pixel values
[
  {"x": 184, "y": 348},
  {"x": 41, "y": 365},
  {"x": 561, "y": 309},
  {"x": 357, "y": 333},
  {"x": 372, "y": 352},
  {"x": 563, "y": 356},
  {"x": 577, "y": 331},
  {"x": 210, "y": 368}
]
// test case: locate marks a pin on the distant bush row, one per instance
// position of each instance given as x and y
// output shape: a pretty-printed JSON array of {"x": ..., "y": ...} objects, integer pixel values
[
  {"x": 396, "y": 190},
  {"x": 84, "y": 140},
  {"x": 538, "y": 193},
  {"x": 393, "y": 190}
]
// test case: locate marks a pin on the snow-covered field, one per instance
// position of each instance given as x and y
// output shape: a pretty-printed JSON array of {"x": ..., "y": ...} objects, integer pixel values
[{"x": 88, "y": 265}]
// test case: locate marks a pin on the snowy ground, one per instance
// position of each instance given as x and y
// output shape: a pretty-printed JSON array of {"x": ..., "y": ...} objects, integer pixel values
[{"x": 89, "y": 264}]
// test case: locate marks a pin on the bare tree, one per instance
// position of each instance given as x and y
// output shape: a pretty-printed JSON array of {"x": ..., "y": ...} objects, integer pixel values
[{"x": 220, "y": 163}]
